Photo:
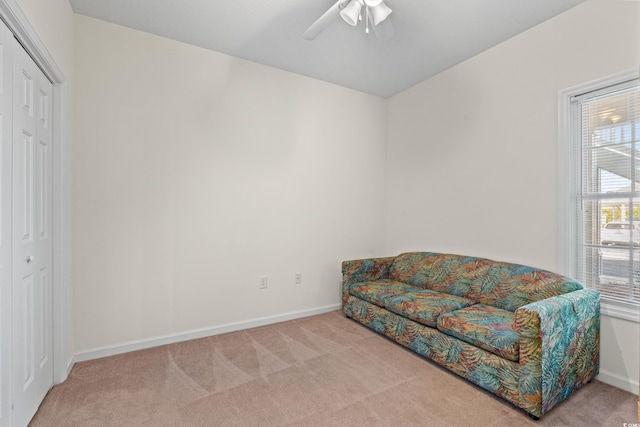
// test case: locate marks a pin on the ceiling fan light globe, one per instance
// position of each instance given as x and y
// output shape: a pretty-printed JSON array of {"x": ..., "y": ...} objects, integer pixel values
[
  {"x": 380, "y": 12},
  {"x": 351, "y": 12}
]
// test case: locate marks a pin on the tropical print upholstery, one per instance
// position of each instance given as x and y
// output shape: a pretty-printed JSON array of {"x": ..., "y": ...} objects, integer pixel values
[
  {"x": 499, "y": 284},
  {"x": 559, "y": 347},
  {"x": 425, "y": 306},
  {"x": 422, "y": 305},
  {"x": 484, "y": 326},
  {"x": 452, "y": 274},
  {"x": 363, "y": 270},
  {"x": 527, "y": 335},
  {"x": 378, "y": 291},
  {"x": 512, "y": 286}
]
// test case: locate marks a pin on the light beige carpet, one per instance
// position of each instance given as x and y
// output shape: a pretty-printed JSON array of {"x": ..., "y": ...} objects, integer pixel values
[{"x": 324, "y": 370}]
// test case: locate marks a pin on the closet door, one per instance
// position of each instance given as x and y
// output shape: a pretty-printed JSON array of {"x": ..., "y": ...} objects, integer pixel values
[
  {"x": 32, "y": 244},
  {"x": 6, "y": 41}
]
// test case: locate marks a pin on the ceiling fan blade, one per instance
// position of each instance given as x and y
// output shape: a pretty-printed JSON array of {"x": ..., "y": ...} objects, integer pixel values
[
  {"x": 323, "y": 22},
  {"x": 384, "y": 31}
]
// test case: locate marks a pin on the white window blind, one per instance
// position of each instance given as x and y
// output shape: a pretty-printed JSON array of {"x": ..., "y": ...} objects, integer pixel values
[{"x": 607, "y": 190}]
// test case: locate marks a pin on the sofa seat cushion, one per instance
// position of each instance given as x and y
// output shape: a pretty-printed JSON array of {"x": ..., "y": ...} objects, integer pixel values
[
  {"x": 424, "y": 305},
  {"x": 421, "y": 305},
  {"x": 377, "y": 291},
  {"x": 484, "y": 326}
]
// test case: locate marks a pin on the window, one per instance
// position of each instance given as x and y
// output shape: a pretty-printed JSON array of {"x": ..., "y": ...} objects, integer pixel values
[{"x": 600, "y": 190}]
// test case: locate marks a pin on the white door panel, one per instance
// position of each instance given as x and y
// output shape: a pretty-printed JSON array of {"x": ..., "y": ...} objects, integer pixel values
[
  {"x": 32, "y": 245},
  {"x": 44, "y": 225},
  {"x": 26, "y": 233}
]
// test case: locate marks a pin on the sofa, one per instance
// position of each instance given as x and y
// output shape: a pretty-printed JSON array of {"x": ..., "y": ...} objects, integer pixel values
[{"x": 527, "y": 335}]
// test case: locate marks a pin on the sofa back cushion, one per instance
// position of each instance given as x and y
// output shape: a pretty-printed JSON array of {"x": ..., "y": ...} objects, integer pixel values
[
  {"x": 498, "y": 284},
  {"x": 452, "y": 274},
  {"x": 513, "y": 285}
]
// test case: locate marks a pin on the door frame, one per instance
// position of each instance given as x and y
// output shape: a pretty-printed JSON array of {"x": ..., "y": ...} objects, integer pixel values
[{"x": 15, "y": 19}]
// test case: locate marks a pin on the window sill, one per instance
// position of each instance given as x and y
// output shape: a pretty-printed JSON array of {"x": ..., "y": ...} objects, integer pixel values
[{"x": 630, "y": 312}]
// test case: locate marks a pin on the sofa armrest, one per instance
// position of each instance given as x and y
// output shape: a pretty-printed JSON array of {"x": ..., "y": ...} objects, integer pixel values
[
  {"x": 559, "y": 347},
  {"x": 363, "y": 270}
]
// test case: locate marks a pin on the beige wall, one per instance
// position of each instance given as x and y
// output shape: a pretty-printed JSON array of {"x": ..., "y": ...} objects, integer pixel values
[
  {"x": 472, "y": 151},
  {"x": 53, "y": 20},
  {"x": 195, "y": 173}
]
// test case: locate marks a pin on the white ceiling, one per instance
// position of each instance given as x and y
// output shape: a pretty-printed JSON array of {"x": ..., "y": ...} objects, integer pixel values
[{"x": 430, "y": 35}]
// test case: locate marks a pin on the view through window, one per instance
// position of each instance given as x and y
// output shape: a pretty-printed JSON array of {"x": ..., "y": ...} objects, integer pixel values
[{"x": 607, "y": 209}]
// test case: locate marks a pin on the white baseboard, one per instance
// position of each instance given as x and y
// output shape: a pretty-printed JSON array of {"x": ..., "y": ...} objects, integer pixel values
[
  {"x": 70, "y": 363},
  {"x": 126, "y": 347},
  {"x": 626, "y": 384}
]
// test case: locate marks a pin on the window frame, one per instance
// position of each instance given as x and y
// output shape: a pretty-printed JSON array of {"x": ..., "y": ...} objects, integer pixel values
[{"x": 567, "y": 164}]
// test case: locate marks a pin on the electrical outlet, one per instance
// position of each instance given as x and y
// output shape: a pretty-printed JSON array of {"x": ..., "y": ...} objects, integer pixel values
[
  {"x": 298, "y": 278},
  {"x": 263, "y": 283}
]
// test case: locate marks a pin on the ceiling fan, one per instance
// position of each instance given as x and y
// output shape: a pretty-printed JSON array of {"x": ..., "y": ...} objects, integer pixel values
[{"x": 373, "y": 12}]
